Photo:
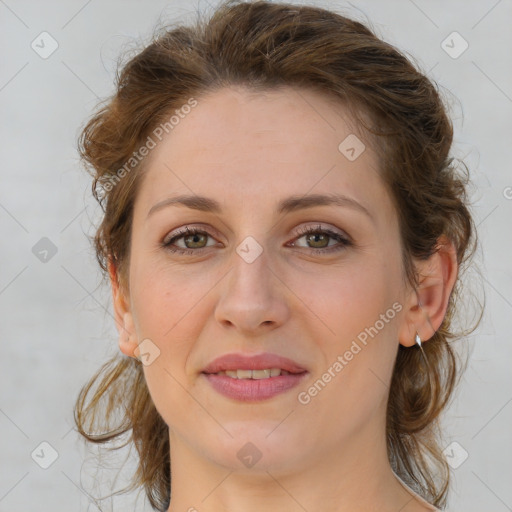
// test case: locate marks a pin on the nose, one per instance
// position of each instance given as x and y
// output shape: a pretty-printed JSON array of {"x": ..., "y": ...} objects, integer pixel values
[{"x": 253, "y": 299}]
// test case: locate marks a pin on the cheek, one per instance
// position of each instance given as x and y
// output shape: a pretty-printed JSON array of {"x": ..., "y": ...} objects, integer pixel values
[
  {"x": 170, "y": 313},
  {"x": 165, "y": 299},
  {"x": 344, "y": 301},
  {"x": 361, "y": 307},
  {"x": 357, "y": 360}
]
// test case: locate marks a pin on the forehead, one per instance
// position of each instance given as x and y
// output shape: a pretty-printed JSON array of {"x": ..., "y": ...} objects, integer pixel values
[{"x": 263, "y": 146}]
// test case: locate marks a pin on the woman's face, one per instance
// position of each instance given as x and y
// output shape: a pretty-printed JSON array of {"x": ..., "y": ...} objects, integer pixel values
[{"x": 253, "y": 281}]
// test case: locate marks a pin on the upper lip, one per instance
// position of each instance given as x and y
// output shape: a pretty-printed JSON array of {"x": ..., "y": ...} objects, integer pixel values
[{"x": 252, "y": 362}]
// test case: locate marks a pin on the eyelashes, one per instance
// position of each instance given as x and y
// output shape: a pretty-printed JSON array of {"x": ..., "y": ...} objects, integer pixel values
[
  {"x": 185, "y": 233},
  {"x": 311, "y": 234}
]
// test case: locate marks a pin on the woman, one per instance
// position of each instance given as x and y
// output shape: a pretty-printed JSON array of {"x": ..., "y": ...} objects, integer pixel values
[{"x": 284, "y": 233}]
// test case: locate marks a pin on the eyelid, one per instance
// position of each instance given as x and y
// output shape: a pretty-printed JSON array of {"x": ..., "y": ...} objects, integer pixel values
[
  {"x": 317, "y": 226},
  {"x": 343, "y": 239},
  {"x": 191, "y": 228}
]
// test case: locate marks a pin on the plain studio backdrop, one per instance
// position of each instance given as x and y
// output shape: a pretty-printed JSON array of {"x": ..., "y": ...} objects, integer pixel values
[{"x": 58, "y": 61}]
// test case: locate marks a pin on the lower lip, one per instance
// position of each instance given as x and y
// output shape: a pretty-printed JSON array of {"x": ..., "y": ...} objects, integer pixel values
[{"x": 253, "y": 390}]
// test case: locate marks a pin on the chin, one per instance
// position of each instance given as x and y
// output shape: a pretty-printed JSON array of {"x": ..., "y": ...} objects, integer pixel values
[{"x": 261, "y": 447}]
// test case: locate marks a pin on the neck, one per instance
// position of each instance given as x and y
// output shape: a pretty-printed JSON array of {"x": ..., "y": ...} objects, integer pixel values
[{"x": 358, "y": 477}]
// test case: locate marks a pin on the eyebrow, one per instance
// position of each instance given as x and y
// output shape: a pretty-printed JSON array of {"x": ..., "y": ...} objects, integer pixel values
[{"x": 290, "y": 204}]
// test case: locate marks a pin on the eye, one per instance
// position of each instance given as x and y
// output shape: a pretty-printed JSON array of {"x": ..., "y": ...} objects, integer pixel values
[
  {"x": 320, "y": 238},
  {"x": 194, "y": 239}
]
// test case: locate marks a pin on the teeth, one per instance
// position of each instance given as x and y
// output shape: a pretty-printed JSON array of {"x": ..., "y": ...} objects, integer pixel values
[
  {"x": 244, "y": 374},
  {"x": 254, "y": 374},
  {"x": 261, "y": 374}
]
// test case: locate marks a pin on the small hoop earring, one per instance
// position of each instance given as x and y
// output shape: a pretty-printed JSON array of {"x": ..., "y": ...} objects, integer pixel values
[{"x": 417, "y": 339}]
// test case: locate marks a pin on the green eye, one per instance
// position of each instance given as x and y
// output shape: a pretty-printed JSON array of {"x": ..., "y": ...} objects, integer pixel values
[
  {"x": 317, "y": 239},
  {"x": 193, "y": 238}
]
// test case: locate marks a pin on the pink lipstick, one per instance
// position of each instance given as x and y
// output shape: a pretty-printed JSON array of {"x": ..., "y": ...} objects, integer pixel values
[{"x": 251, "y": 378}]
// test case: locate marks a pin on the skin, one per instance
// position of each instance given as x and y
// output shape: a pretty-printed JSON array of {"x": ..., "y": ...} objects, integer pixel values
[{"x": 248, "y": 151}]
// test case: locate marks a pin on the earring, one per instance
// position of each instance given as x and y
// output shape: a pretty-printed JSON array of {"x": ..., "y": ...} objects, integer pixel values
[{"x": 417, "y": 340}]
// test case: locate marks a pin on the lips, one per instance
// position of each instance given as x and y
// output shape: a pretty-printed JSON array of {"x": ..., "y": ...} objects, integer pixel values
[
  {"x": 263, "y": 361},
  {"x": 243, "y": 377}
]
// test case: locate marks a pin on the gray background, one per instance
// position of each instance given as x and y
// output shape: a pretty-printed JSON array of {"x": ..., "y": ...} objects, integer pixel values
[{"x": 56, "y": 324}]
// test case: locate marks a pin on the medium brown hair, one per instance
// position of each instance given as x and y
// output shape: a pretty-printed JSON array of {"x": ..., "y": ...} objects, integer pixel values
[{"x": 263, "y": 46}]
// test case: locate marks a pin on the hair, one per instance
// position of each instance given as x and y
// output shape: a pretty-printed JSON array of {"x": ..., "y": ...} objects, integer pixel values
[{"x": 263, "y": 46}]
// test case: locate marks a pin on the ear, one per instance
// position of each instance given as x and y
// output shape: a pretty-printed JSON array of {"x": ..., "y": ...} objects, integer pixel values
[
  {"x": 426, "y": 307},
  {"x": 122, "y": 314}
]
